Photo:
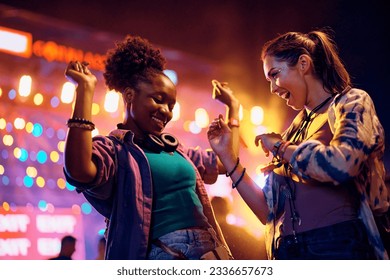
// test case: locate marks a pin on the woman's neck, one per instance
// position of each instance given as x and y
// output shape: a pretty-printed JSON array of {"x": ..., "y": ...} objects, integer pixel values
[
  {"x": 129, "y": 124},
  {"x": 316, "y": 95}
]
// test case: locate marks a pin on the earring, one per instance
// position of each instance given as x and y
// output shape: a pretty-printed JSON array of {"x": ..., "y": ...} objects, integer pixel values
[{"x": 129, "y": 94}]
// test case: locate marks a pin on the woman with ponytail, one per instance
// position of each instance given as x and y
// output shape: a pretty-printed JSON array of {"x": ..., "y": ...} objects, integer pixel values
[{"x": 325, "y": 182}]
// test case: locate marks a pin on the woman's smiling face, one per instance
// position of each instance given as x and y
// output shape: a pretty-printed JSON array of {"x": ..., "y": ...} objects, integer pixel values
[
  {"x": 287, "y": 82},
  {"x": 152, "y": 105}
]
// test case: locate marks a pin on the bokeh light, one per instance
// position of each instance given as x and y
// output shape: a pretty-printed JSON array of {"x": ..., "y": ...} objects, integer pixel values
[
  {"x": 8, "y": 140},
  {"x": 12, "y": 94},
  {"x": 67, "y": 93},
  {"x": 25, "y": 84},
  {"x": 86, "y": 208},
  {"x": 28, "y": 181},
  {"x": 111, "y": 101},
  {"x": 201, "y": 118},
  {"x": 42, "y": 156},
  {"x": 38, "y": 99},
  {"x": 257, "y": 115},
  {"x": 31, "y": 171},
  {"x": 194, "y": 128},
  {"x": 54, "y": 102},
  {"x": 19, "y": 123},
  {"x": 37, "y": 130},
  {"x": 176, "y": 112}
]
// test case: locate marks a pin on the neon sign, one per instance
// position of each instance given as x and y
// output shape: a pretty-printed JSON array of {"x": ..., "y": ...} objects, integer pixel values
[
  {"x": 34, "y": 235},
  {"x": 20, "y": 43}
]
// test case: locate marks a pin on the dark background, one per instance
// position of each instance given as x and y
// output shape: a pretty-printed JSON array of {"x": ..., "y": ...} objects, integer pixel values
[{"x": 230, "y": 33}]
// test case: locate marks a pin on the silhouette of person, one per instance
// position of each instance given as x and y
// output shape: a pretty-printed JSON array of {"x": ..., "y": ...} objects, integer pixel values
[
  {"x": 101, "y": 248},
  {"x": 243, "y": 245},
  {"x": 68, "y": 247}
]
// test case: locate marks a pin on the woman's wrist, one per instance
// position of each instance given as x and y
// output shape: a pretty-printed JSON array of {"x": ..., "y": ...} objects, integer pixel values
[
  {"x": 229, "y": 161},
  {"x": 234, "y": 105}
]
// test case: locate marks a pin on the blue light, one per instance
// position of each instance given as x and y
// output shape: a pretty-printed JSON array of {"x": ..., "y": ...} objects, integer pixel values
[
  {"x": 70, "y": 187},
  {"x": 5, "y": 180},
  {"x": 28, "y": 181},
  {"x": 42, "y": 205},
  {"x": 101, "y": 231},
  {"x": 12, "y": 94},
  {"x": 37, "y": 130},
  {"x": 23, "y": 155},
  {"x": 86, "y": 208},
  {"x": 41, "y": 156}
]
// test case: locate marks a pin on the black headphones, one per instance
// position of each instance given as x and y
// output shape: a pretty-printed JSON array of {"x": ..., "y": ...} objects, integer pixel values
[{"x": 166, "y": 142}]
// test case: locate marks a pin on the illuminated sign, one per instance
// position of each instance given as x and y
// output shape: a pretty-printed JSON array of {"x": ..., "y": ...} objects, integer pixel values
[
  {"x": 20, "y": 43},
  {"x": 15, "y": 42},
  {"x": 51, "y": 51},
  {"x": 35, "y": 235}
]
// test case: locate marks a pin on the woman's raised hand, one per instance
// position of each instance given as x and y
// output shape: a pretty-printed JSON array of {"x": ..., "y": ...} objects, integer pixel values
[
  {"x": 79, "y": 74},
  {"x": 223, "y": 93}
]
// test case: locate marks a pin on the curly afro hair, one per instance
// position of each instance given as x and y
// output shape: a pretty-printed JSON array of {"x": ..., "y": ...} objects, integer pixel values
[{"x": 133, "y": 60}]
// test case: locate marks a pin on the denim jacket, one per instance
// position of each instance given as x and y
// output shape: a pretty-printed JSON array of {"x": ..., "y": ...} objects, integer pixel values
[{"x": 122, "y": 191}]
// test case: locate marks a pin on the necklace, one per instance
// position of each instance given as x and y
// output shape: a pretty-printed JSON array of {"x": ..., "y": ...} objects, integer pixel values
[
  {"x": 290, "y": 191},
  {"x": 308, "y": 119}
]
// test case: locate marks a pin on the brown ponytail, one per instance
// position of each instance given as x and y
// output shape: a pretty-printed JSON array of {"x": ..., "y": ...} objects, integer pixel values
[{"x": 322, "y": 50}]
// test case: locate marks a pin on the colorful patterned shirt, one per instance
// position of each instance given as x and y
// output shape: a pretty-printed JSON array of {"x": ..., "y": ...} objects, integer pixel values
[{"x": 355, "y": 152}]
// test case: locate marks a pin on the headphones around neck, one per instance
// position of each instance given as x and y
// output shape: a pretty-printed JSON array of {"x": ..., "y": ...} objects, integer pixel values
[{"x": 166, "y": 142}]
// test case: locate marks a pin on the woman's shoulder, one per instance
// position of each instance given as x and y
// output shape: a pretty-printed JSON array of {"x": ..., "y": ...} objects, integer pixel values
[
  {"x": 351, "y": 95},
  {"x": 355, "y": 99}
]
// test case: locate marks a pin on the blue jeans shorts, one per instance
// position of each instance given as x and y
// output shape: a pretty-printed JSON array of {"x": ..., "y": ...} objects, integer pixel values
[
  {"x": 342, "y": 241},
  {"x": 192, "y": 242}
]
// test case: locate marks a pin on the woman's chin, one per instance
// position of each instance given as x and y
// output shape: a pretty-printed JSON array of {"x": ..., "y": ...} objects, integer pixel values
[{"x": 293, "y": 106}]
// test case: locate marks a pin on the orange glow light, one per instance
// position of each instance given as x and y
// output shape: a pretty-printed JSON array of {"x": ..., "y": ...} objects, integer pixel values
[{"x": 15, "y": 42}]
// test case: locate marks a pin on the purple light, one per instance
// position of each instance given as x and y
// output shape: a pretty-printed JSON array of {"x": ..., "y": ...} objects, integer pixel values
[
  {"x": 61, "y": 134},
  {"x": 50, "y": 132},
  {"x": 55, "y": 101},
  {"x": 8, "y": 127},
  {"x": 4, "y": 154}
]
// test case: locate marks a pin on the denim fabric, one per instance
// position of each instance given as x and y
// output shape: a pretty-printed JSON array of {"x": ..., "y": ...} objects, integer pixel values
[
  {"x": 193, "y": 243},
  {"x": 342, "y": 241}
]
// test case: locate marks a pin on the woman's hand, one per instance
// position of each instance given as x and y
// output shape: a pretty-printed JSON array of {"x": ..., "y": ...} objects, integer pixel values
[
  {"x": 79, "y": 74},
  {"x": 267, "y": 141},
  {"x": 223, "y": 93},
  {"x": 220, "y": 136}
]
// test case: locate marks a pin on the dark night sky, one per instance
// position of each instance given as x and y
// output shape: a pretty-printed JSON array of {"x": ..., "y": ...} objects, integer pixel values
[{"x": 231, "y": 33}]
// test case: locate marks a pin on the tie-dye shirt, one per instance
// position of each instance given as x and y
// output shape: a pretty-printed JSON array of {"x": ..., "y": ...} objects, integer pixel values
[{"x": 355, "y": 152}]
